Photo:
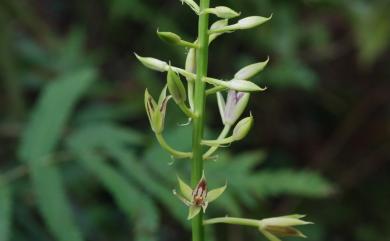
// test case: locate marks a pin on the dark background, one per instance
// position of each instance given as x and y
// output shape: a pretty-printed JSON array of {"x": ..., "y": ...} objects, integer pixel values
[{"x": 78, "y": 159}]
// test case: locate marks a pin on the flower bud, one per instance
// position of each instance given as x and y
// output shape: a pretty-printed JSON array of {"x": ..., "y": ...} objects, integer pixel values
[
  {"x": 235, "y": 84},
  {"x": 218, "y": 24},
  {"x": 193, "y": 5},
  {"x": 176, "y": 87},
  {"x": 243, "y": 85},
  {"x": 251, "y": 70},
  {"x": 242, "y": 128},
  {"x": 245, "y": 23},
  {"x": 156, "y": 111},
  {"x": 222, "y": 12},
  {"x": 153, "y": 63},
  {"x": 190, "y": 66},
  {"x": 251, "y": 22},
  {"x": 169, "y": 37}
]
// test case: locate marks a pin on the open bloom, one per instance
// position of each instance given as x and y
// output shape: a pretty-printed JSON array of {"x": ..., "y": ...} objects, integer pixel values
[
  {"x": 235, "y": 105},
  {"x": 198, "y": 198}
]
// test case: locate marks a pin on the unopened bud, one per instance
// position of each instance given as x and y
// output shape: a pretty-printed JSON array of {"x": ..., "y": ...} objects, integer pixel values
[
  {"x": 193, "y": 5},
  {"x": 242, "y": 128},
  {"x": 153, "y": 63},
  {"x": 222, "y": 12},
  {"x": 218, "y": 24},
  {"x": 251, "y": 22},
  {"x": 245, "y": 23},
  {"x": 176, "y": 87},
  {"x": 235, "y": 84},
  {"x": 243, "y": 85},
  {"x": 190, "y": 64},
  {"x": 251, "y": 70},
  {"x": 169, "y": 37}
]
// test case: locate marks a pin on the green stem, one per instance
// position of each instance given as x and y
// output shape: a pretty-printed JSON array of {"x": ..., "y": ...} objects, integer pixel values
[
  {"x": 199, "y": 107},
  {"x": 212, "y": 149},
  {"x": 187, "y": 111},
  {"x": 188, "y": 44},
  {"x": 237, "y": 221},
  {"x": 218, "y": 142},
  {"x": 214, "y": 90},
  {"x": 168, "y": 148}
]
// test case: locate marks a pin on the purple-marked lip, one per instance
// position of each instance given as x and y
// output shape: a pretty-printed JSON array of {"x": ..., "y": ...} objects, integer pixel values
[
  {"x": 233, "y": 98},
  {"x": 200, "y": 193}
]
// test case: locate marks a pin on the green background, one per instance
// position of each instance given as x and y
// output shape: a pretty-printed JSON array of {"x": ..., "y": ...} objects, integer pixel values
[{"x": 78, "y": 160}]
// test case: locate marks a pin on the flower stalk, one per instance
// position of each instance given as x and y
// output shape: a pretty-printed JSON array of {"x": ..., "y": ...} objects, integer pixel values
[{"x": 202, "y": 54}]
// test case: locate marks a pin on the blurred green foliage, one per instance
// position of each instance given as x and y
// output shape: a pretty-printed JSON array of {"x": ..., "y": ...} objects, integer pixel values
[{"x": 78, "y": 161}]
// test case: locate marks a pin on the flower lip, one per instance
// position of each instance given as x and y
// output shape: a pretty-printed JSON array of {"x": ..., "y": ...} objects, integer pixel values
[{"x": 200, "y": 193}]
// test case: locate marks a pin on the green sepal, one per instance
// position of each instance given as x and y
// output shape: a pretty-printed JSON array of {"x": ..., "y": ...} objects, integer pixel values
[
  {"x": 193, "y": 211},
  {"x": 213, "y": 194},
  {"x": 185, "y": 189}
]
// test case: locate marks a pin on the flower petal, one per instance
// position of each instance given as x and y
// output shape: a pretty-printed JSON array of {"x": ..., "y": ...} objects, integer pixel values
[{"x": 213, "y": 194}]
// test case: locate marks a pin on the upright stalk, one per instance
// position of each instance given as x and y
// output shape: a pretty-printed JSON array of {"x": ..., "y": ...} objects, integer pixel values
[{"x": 199, "y": 107}]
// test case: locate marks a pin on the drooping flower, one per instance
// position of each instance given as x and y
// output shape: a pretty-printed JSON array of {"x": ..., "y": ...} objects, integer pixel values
[
  {"x": 283, "y": 226},
  {"x": 235, "y": 105},
  {"x": 156, "y": 110}
]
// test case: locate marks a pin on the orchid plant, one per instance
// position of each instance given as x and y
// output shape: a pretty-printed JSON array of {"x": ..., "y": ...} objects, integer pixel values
[{"x": 192, "y": 101}]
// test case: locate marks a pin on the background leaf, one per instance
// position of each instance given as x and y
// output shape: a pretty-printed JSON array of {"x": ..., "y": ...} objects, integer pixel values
[
  {"x": 6, "y": 207},
  {"x": 38, "y": 149}
]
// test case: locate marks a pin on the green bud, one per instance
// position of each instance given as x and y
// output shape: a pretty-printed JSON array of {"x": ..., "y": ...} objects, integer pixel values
[
  {"x": 222, "y": 12},
  {"x": 245, "y": 23},
  {"x": 235, "y": 84},
  {"x": 190, "y": 66},
  {"x": 243, "y": 85},
  {"x": 242, "y": 128},
  {"x": 152, "y": 63},
  {"x": 251, "y": 22},
  {"x": 169, "y": 37},
  {"x": 218, "y": 24},
  {"x": 251, "y": 70},
  {"x": 193, "y": 5},
  {"x": 176, "y": 87}
]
